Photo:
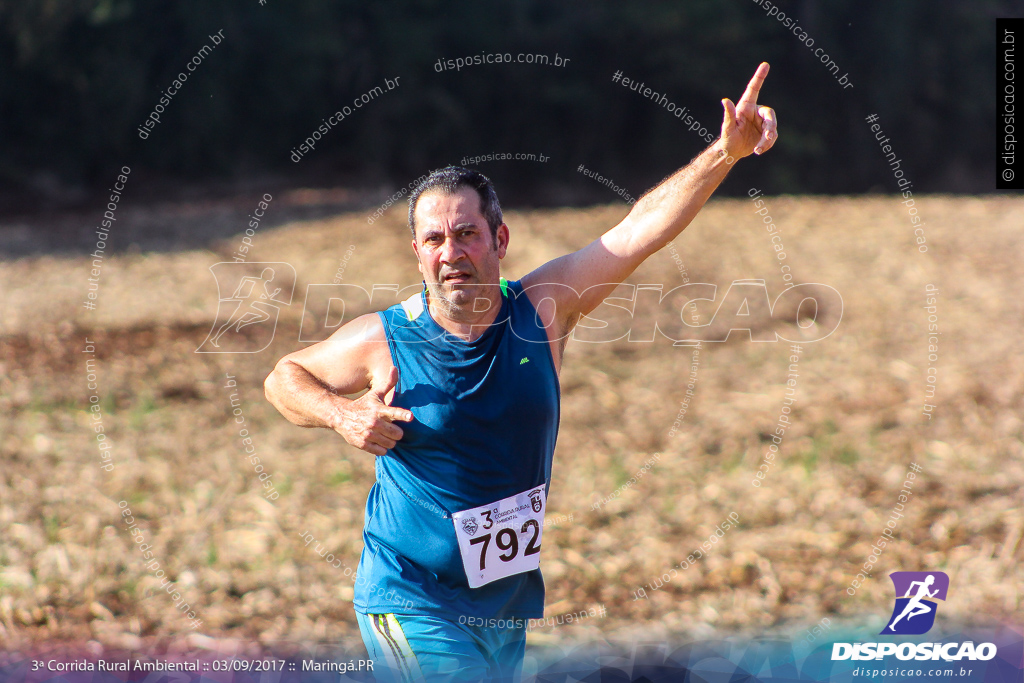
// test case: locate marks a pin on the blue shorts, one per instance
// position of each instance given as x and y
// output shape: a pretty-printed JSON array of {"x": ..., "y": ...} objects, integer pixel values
[{"x": 406, "y": 648}]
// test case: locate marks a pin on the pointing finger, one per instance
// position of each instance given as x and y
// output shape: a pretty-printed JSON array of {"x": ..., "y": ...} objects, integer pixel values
[
  {"x": 753, "y": 87},
  {"x": 391, "y": 413}
]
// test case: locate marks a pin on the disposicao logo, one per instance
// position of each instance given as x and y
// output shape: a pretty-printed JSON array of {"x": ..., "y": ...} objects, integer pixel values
[{"x": 914, "y": 614}]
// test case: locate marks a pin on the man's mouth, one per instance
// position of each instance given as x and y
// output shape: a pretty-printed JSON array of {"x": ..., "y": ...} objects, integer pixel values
[{"x": 456, "y": 277}]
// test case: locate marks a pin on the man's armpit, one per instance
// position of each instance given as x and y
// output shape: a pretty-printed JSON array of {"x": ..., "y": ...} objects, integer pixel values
[{"x": 568, "y": 325}]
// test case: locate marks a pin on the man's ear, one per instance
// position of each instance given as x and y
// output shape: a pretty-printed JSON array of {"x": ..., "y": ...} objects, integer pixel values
[
  {"x": 501, "y": 239},
  {"x": 419, "y": 264}
]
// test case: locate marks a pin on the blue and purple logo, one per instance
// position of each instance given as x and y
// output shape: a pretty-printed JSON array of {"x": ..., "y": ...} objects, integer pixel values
[{"x": 916, "y": 593}]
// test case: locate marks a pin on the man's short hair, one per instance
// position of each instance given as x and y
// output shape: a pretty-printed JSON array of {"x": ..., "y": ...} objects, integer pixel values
[{"x": 449, "y": 181}]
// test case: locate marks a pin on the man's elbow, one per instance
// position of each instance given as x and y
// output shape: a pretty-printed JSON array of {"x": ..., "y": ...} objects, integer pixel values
[
  {"x": 268, "y": 386},
  {"x": 280, "y": 389},
  {"x": 272, "y": 386}
]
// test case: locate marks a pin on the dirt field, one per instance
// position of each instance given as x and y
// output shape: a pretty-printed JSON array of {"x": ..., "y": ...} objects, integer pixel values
[{"x": 70, "y": 572}]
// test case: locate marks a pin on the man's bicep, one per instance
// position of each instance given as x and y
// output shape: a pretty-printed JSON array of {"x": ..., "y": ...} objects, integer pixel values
[
  {"x": 580, "y": 281},
  {"x": 345, "y": 361}
]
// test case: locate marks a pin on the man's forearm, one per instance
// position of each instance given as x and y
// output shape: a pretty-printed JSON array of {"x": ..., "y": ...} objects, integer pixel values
[
  {"x": 301, "y": 397},
  {"x": 666, "y": 210}
]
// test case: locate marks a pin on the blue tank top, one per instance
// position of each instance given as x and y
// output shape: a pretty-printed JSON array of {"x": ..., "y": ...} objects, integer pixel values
[{"x": 485, "y": 422}]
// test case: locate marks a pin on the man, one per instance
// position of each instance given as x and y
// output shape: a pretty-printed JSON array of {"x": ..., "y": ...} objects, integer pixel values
[{"x": 469, "y": 368}]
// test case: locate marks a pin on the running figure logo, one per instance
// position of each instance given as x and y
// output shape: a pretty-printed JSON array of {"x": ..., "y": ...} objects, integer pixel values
[
  {"x": 914, "y": 612},
  {"x": 254, "y": 300}
]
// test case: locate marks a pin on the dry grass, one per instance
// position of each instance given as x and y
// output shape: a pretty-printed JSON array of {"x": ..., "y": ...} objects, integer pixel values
[{"x": 69, "y": 572}]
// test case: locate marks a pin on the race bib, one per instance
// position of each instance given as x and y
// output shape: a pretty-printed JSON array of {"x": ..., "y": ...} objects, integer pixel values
[{"x": 501, "y": 538}]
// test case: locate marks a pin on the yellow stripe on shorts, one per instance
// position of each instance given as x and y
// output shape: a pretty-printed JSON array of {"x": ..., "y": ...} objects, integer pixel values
[{"x": 400, "y": 657}]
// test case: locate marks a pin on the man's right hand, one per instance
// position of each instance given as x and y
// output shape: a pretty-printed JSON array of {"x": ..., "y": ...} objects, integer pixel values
[{"x": 367, "y": 422}]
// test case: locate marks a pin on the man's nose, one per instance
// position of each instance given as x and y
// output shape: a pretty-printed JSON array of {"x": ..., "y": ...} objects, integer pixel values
[{"x": 451, "y": 251}]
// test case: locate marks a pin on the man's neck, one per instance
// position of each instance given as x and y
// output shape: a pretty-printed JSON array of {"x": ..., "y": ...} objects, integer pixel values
[{"x": 462, "y": 321}]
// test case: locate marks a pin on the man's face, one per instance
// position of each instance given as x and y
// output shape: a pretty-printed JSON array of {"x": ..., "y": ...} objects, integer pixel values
[{"x": 457, "y": 256}]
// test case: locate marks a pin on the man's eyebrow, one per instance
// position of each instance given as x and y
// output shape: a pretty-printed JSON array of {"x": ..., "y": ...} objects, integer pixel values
[{"x": 431, "y": 232}]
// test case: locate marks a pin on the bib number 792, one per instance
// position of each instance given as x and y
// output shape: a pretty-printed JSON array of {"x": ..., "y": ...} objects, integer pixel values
[
  {"x": 511, "y": 539},
  {"x": 506, "y": 539}
]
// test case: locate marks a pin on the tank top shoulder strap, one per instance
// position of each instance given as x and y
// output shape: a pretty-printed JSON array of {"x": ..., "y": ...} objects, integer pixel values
[{"x": 404, "y": 318}]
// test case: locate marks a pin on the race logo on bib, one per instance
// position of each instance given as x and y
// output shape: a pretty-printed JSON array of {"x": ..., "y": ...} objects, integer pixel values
[
  {"x": 469, "y": 524},
  {"x": 535, "y": 500}
]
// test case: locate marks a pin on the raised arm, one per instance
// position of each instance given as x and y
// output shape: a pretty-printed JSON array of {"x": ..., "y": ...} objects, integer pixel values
[
  {"x": 309, "y": 386},
  {"x": 594, "y": 271}
]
